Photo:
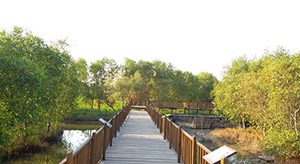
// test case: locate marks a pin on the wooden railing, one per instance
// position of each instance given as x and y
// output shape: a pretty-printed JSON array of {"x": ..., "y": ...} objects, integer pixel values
[
  {"x": 93, "y": 150},
  {"x": 188, "y": 149},
  {"x": 180, "y": 104},
  {"x": 185, "y": 105}
]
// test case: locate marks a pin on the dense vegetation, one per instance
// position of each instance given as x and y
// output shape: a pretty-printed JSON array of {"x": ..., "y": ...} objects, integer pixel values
[
  {"x": 40, "y": 84},
  {"x": 265, "y": 93},
  {"x": 106, "y": 82},
  {"x": 37, "y": 86}
]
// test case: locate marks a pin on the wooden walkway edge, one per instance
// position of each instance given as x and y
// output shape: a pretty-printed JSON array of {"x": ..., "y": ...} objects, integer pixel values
[{"x": 138, "y": 142}]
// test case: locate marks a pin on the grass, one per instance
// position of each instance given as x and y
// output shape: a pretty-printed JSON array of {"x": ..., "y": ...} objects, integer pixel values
[
  {"x": 53, "y": 154},
  {"x": 80, "y": 126},
  {"x": 84, "y": 112},
  {"x": 86, "y": 104},
  {"x": 89, "y": 114},
  {"x": 247, "y": 141}
]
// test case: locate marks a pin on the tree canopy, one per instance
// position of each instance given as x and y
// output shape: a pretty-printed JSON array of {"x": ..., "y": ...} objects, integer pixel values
[
  {"x": 40, "y": 83},
  {"x": 265, "y": 93},
  {"x": 37, "y": 85}
]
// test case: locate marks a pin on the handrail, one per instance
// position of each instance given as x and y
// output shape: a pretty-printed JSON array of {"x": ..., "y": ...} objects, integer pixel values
[
  {"x": 94, "y": 148},
  {"x": 188, "y": 149},
  {"x": 180, "y": 104}
]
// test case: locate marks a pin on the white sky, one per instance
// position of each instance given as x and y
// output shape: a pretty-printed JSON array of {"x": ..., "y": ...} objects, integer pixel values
[{"x": 192, "y": 35}]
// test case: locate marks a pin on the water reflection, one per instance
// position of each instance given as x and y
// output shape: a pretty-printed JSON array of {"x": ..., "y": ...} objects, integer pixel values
[
  {"x": 74, "y": 135},
  {"x": 73, "y": 139}
]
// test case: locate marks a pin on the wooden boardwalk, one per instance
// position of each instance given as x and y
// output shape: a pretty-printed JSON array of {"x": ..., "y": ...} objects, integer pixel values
[{"x": 138, "y": 142}]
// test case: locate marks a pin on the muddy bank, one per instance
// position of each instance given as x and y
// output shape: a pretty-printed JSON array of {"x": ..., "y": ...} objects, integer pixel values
[
  {"x": 202, "y": 127},
  {"x": 205, "y": 137},
  {"x": 55, "y": 149}
]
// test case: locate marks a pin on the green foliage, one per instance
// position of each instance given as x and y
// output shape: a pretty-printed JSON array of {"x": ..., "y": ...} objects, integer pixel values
[
  {"x": 81, "y": 69},
  {"x": 265, "y": 93},
  {"x": 157, "y": 80},
  {"x": 83, "y": 115},
  {"x": 37, "y": 86},
  {"x": 40, "y": 83},
  {"x": 103, "y": 73},
  {"x": 207, "y": 83},
  {"x": 284, "y": 142},
  {"x": 90, "y": 114}
]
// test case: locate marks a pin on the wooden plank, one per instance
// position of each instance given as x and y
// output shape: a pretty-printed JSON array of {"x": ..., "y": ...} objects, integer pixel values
[{"x": 139, "y": 141}]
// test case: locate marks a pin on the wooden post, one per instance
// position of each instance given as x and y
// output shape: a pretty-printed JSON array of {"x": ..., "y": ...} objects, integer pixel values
[
  {"x": 121, "y": 115},
  {"x": 157, "y": 119},
  {"x": 161, "y": 124},
  {"x": 165, "y": 127},
  {"x": 70, "y": 158},
  {"x": 92, "y": 152},
  {"x": 110, "y": 136},
  {"x": 119, "y": 121},
  {"x": 222, "y": 160},
  {"x": 116, "y": 125},
  {"x": 194, "y": 155},
  {"x": 179, "y": 144},
  {"x": 104, "y": 142},
  {"x": 170, "y": 135}
]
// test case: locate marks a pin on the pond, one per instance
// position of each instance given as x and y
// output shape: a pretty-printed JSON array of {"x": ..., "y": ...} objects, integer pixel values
[{"x": 74, "y": 135}]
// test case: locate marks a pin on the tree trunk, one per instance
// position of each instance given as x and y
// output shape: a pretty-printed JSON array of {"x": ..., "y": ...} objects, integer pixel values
[
  {"x": 92, "y": 104},
  {"x": 110, "y": 105},
  {"x": 48, "y": 128},
  {"x": 243, "y": 123},
  {"x": 99, "y": 104}
]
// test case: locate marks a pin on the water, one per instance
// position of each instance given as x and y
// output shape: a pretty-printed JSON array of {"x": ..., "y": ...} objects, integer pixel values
[
  {"x": 74, "y": 135},
  {"x": 73, "y": 139}
]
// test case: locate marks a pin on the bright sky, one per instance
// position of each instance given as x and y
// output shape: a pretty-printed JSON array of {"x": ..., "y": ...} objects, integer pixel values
[{"x": 194, "y": 36}]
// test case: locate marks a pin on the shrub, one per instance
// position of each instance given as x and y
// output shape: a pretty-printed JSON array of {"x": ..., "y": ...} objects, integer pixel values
[
  {"x": 284, "y": 142},
  {"x": 265, "y": 92}
]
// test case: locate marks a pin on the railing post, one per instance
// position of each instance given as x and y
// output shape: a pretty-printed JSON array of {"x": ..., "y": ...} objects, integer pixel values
[
  {"x": 157, "y": 119},
  {"x": 179, "y": 144},
  {"x": 121, "y": 116},
  {"x": 111, "y": 135},
  {"x": 70, "y": 158},
  {"x": 119, "y": 121},
  {"x": 170, "y": 134},
  {"x": 194, "y": 155},
  {"x": 115, "y": 126},
  {"x": 222, "y": 160},
  {"x": 165, "y": 127},
  {"x": 92, "y": 152},
  {"x": 161, "y": 123},
  {"x": 104, "y": 142}
]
